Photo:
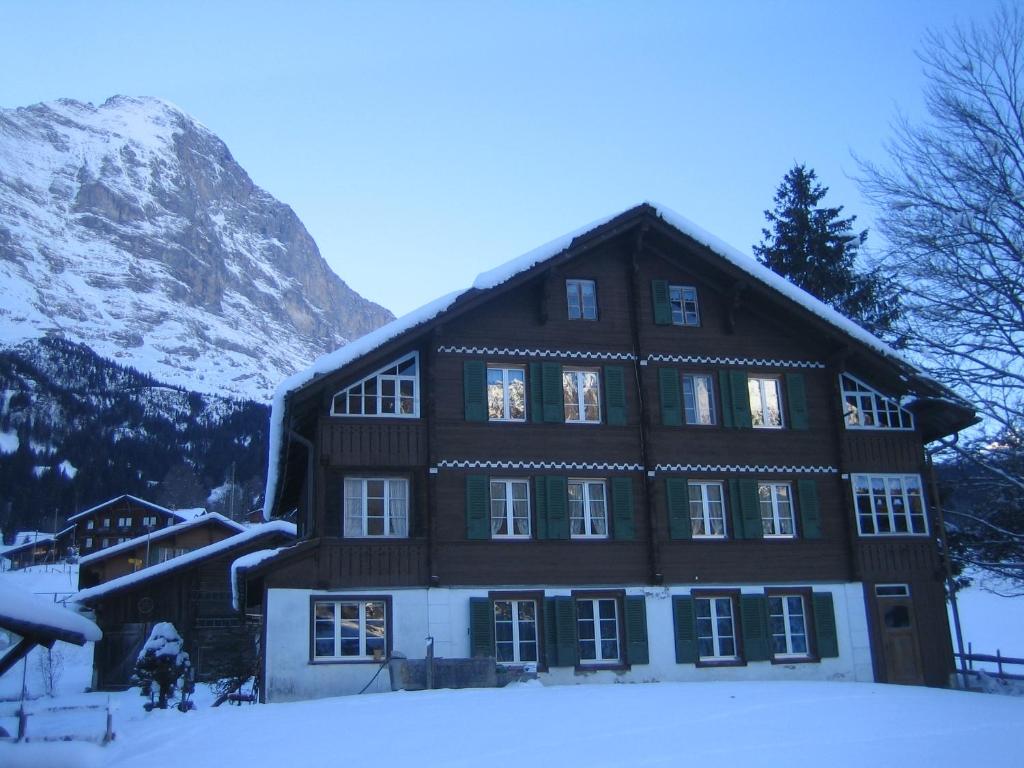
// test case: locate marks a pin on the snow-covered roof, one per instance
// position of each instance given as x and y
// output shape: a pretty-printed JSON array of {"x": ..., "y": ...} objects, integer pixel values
[
  {"x": 254, "y": 533},
  {"x": 181, "y": 514},
  {"x": 161, "y": 533},
  {"x": 245, "y": 562},
  {"x": 26, "y": 614},
  {"x": 494, "y": 277}
]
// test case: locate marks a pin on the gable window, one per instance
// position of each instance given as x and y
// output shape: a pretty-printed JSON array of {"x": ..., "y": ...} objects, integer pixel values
[
  {"x": 787, "y": 625},
  {"x": 392, "y": 391},
  {"x": 351, "y": 630},
  {"x": 588, "y": 509},
  {"x": 581, "y": 394},
  {"x": 716, "y": 629},
  {"x": 506, "y": 394},
  {"x": 124, "y": 522},
  {"x": 888, "y": 505},
  {"x": 776, "y": 501},
  {"x": 376, "y": 507},
  {"x": 510, "y": 508},
  {"x": 866, "y": 408},
  {"x": 765, "y": 402},
  {"x": 149, "y": 521},
  {"x": 707, "y": 510},
  {"x": 597, "y": 630},
  {"x": 683, "y": 299},
  {"x": 515, "y": 631},
  {"x": 698, "y": 398},
  {"x": 581, "y": 298}
]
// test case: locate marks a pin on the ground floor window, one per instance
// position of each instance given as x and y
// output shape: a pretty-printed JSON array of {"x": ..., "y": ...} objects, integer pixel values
[
  {"x": 787, "y": 624},
  {"x": 716, "y": 629},
  {"x": 515, "y": 631},
  {"x": 597, "y": 630},
  {"x": 349, "y": 629}
]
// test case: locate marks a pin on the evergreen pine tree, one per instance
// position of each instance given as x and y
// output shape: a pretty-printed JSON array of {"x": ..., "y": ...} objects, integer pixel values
[{"x": 816, "y": 249}]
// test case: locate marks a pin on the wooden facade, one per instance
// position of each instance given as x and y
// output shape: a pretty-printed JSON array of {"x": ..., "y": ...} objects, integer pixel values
[
  {"x": 117, "y": 520},
  {"x": 641, "y": 446}
]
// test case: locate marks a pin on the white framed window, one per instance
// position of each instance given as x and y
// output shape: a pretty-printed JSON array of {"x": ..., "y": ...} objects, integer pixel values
[
  {"x": 149, "y": 521},
  {"x": 699, "y": 398},
  {"x": 391, "y": 392},
  {"x": 787, "y": 625},
  {"x": 581, "y": 298},
  {"x": 765, "y": 402},
  {"x": 106, "y": 522},
  {"x": 169, "y": 553},
  {"x": 124, "y": 522},
  {"x": 88, "y": 542},
  {"x": 515, "y": 631},
  {"x": 350, "y": 630},
  {"x": 776, "y": 501},
  {"x": 867, "y": 408},
  {"x": 892, "y": 590},
  {"x": 376, "y": 507},
  {"x": 104, "y": 543},
  {"x": 597, "y": 630},
  {"x": 510, "y": 508},
  {"x": 683, "y": 299},
  {"x": 581, "y": 392},
  {"x": 506, "y": 394},
  {"x": 889, "y": 505},
  {"x": 588, "y": 509},
  {"x": 89, "y": 525},
  {"x": 707, "y": 510},
  {"x": 716, "y": 629}
]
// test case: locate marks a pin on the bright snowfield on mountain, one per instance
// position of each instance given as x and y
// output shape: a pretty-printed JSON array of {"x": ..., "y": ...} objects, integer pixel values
[
  {"x": 839, "y": 725},
  {"x": 130, "y": 228}
]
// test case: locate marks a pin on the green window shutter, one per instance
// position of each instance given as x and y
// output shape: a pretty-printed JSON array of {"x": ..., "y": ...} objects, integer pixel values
[
  {"x": 540, "y": 506},
  {"x": 474, "y": 389},
  {"x": 558, "y": 507},
  {"x": 740, "y": 399},
  {"x": 565, "y": 631},
  {"x": 825, "y": 633},
  {"x": 622, "y": 509},
  {"x": 671, "y": 402},
  {"x": 677, "y": 495},
  {"x": 478, "y": 502},
  {"x": 536, "y": 394},
  {"x": 615, "y": 394},
  {"x": 737, "y": 529},
  {"x": 750, "y": 510},
  {"x": 481, "y": 627},
  {"x": 725, "y": 392},
  {"x": 810, "y": 512},
  {"x": 685, "y": 629},
  {"x": 550, "y": 633},
  {"x": 659, "y": 298},
  {"x": 754, "y": 618},
  {"x": 636, "y": 630},
  {"x": 797, "y": 399},
  {"x": 551, "y": 384}
]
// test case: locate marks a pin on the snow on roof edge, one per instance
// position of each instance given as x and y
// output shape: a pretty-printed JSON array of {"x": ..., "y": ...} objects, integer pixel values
[
  {"x": 24, "y": 607},
  {"x": 159, "y": 534},
  {"x": 257, "y": 531},
  {"x": 248, "y": 561},
  {"x": 125, "y": 496}
]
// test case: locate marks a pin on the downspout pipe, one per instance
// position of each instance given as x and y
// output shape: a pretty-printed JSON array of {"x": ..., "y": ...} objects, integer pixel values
[{"x": 308, "y": 445}]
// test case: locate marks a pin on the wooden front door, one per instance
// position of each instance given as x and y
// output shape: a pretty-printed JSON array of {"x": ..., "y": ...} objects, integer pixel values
[{"x": 898, "y": 629}]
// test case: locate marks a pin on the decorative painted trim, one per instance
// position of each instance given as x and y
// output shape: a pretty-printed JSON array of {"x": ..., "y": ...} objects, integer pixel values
[
  {"x": 516, "y": 352},
  {"x": 752, "y": 468},
  {"x": 577, "y": 465},
  {"x": 749, "y": 361}
]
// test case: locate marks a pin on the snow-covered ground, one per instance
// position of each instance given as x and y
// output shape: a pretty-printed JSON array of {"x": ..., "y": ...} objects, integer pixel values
[{"x": 656, "y": 724}]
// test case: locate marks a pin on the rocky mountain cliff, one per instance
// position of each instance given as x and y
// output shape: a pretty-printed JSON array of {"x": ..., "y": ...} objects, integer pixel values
[{"x": 130, "y": 228}]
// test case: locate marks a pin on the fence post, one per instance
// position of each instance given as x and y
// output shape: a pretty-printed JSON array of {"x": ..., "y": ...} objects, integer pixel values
[
  {"x": 22, "y": 722},
  {"x": 999, "y": 662},
  {"x": 108, "y": 736}
]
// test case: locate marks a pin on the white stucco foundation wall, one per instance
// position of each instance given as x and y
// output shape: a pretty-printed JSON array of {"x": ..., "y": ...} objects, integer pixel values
[{"x": 443, "y": 613}]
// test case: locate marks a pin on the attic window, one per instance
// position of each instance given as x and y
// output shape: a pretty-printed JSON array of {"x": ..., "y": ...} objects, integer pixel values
[
  {"x": 391, "y": 392},
  {"x": 866, "y": 408}
]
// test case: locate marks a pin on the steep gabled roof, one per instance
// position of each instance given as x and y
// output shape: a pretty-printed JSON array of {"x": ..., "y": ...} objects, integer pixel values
[
  {"x": 162, "y": 533},
  {"x": 182, "y": 514},
  {"x": 510, "y": 273},
  {"x": 247, "y": 537}
]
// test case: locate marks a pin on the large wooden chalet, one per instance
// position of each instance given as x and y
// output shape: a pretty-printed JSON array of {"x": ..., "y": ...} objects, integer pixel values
[{"x": 633, "y": 454}]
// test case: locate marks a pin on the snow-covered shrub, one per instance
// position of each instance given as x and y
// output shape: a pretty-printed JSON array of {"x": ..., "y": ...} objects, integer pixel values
[{"x": 163, "y": 662}]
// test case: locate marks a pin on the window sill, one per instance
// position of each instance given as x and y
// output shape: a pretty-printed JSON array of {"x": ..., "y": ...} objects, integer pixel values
[
  {"x": 360, "y": 660},
  {"x": 780, "y": 536},
  {"x": 893, "y": 535},
  {"x": 616, "y": 666},
  {"x": 784, "y": 660},
  {"x": 721, "y": 662}
]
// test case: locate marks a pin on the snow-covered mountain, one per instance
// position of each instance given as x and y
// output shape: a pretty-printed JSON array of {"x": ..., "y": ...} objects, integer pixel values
[{"x": 130, "y": 228}]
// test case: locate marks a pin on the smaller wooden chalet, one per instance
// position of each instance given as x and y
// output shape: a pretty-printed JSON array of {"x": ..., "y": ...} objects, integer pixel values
[
  {"x": 192, "y": 591},
  {"x": 30, "y": 548},
  {"x": 119, "y": 519},
  {"x": 154, "y": 548},
  {"x": 27, "y": 621}
]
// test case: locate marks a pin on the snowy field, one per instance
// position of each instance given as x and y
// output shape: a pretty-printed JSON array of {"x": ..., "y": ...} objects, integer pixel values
[{"x": 656, "y": 724}]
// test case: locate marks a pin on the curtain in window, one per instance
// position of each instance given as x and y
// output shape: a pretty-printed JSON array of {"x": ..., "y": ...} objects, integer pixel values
[
  {"x": 353, "y": 507},
  {"x": 398, "y": 508}
]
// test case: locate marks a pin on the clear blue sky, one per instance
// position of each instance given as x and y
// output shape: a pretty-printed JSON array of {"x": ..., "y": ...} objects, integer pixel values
[{"x": 422, "y": 143}]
